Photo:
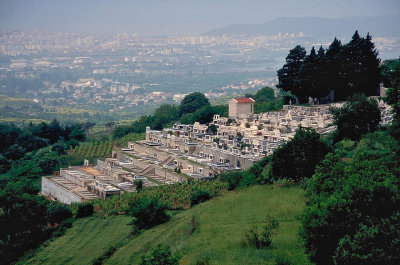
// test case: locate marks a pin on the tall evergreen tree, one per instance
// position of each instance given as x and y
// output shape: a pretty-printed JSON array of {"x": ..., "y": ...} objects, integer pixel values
[
  {"x": 288, "y": 75},
  {"x": 361, "y": 73},
  {"x": 308, "y": 75},
  {"x": 334, "y": 67},
  {"x": 321, "y": 75}
]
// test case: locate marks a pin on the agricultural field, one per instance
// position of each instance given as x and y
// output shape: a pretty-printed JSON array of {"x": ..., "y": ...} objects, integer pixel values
[
  {"x": 209, "y": 233},
  {"x": 91, "y": 151}
]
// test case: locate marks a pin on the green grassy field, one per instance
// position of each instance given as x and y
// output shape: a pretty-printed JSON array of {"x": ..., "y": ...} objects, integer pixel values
[
  {"x": 214, "y": 239},
  {"x": 87, "y": 239}
]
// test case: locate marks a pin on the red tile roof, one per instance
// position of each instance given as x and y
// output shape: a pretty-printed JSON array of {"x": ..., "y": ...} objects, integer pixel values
[{"x": 244, "y": 100}]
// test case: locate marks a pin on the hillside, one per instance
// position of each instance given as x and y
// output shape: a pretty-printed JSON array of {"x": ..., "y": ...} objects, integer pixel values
[
  {"x": 214, "y": 239},
  {"x": 317, "y": 27},
  {"x": 88, "y": 238}
]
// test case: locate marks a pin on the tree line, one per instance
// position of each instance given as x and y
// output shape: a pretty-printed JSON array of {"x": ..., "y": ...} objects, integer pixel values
[
  {"x": 195, "y": 107},
  {"x": 341, "y": 69},
  {"x": 26, "y": 154}
]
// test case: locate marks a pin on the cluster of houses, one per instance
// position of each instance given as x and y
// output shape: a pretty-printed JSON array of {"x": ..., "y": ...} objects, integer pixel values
[{"x": 197, "y": 151}]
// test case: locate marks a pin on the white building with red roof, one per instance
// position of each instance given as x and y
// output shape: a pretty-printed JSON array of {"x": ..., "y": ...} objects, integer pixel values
[{"x": 241, "y": 107}]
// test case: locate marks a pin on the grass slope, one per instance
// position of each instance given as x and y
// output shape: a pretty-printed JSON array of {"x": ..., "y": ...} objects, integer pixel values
[
  {"x": 214, "y": 239},
  {"x": 87, "y": 239},
  {"x": 221, "y": 224}
]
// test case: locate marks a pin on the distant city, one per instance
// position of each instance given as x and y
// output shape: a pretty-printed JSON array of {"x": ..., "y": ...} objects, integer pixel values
[{"x": 125, "y": 72}]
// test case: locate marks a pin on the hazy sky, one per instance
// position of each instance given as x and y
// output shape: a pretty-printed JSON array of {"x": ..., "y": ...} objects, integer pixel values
[{"x": 172, "y": 17}]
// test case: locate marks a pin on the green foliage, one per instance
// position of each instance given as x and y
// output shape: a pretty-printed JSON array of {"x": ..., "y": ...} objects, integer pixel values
[
  {"x": 219, "y": 226},
  {"x": 289, "y": 74},
  {"x": 199, "y": 196},
  {"x": 106, "y": 255},
  {"x": 232, "y": 179},
  {"x": 264, "y": 94},
  {"x": 88, "y": 239},
  {"x": 261, "y": 240},
  {"x": 60, "y": 148},
  {"x": 193, "y": 102},
  {"x": 175, "y": 196},
  {"x": 388, "y": 70},
  {"x": 204, "y": 114},
  {"x": 148, "y": 212},
  {"x": 353, "y": 215},
  {"x": 357, "y": 117},
  {"x": 160, "y": 256},
  {"x": 259, "y": 173},
  {"x": 346, "y": 69},
  {"x": 85, "y": 209},
  {"x": 393, "y": 98},
  {"x": 212, "y": 129},
  {"x": 57, "y": 213},
  {"x": 297, "y": 159},
  {"x": 4, "y": 165},
  {"x": 23, "y": 222},
  {"x": 139, "y": 185}
]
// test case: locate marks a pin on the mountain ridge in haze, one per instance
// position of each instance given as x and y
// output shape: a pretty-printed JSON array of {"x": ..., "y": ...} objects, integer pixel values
[{"x": 377, "y": 26}]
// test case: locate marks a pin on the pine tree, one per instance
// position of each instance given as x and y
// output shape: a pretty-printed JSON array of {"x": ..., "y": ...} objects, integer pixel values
[
  {"x": 361, "y": 73},
  {"x": 321, "y": 75},
  {"x": 308, "y": 74},
  {"x": 334, "y": 77},
  {"x": 288, "y": 75}
]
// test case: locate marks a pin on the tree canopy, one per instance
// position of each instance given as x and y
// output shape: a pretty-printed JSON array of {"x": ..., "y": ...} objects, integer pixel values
[
  {"x": 346, "y": 69},
  {"x": 297, "y": 159},
  {"x": 357, "y": 117},
  {"x": 193, "y": 102},
  {"x": 353, "y": 215}
]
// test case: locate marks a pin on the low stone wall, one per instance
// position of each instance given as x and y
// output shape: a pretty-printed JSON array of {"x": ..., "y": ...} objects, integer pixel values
[
  {"x": 51, "y": 188},
  {"x": 166, "y": 174}
]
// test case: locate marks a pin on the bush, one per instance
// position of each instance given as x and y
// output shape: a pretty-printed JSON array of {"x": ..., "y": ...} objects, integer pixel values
[
  {"x": 160, "y": 256},
  {"x": 353, "y": 215},
  {"x": 199, "y": 196},
  {"x": 106, "y": 255},
  {"x": 57, "y": 213},
  {"x": 297, "y": 159},
  {"x": 138, "y": 185},
  {"x": 85, "y": 209},
  {"x": 263, "y": 240},
  {"x": 149, "y": 212},
  {"x": 356, "y": 118},
  {"x": 232, "y": 178}
]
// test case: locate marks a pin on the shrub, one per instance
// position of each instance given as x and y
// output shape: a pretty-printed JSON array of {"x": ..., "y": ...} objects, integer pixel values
[
  {"x": 160, "y": 256},
  {"x": 263, "y": 240},
  {"x": 138, "y": 185},
  {"x": 57, "y": 213},
  {"x": 353, "y": 215},
  {"x": 297, "y": 159},
  {"x": 199, "y": 196},
  {"x": 149, "y": 212},
  {"x": 232, "y": 178},
  {"x": 106, "y": 255},
  {"x": 85, "y": 209},
  {"x": 356, "y": 118}
]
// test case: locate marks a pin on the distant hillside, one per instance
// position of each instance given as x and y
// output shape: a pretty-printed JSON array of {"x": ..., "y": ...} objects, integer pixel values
[
  {"x": 379, "y": 26},
  {"x": 214, "y": 238}
]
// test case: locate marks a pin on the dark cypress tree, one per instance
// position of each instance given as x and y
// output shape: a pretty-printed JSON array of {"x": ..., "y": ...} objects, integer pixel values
[
  {"x": 288, "y": 75},
  {"x": 321, "y": 75},
  {"x": 361, "y": 73},
  {"x": 334, "y": 78},
  {"x": 307, "y": 76}
]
